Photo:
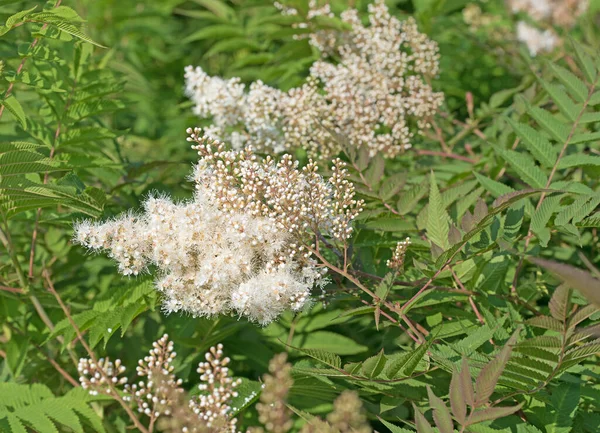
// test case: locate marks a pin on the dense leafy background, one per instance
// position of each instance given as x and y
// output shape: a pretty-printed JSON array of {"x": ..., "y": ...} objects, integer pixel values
[{"x": 107, "y": 122}]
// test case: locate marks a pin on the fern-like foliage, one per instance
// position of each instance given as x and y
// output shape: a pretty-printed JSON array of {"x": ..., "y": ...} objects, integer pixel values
[
  {"x": 35, "y": 407},
  {"x": 554, "y": 138}
]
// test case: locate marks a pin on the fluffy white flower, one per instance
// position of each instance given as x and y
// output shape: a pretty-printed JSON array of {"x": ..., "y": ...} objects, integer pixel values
[{"x": 242, "y": 244}]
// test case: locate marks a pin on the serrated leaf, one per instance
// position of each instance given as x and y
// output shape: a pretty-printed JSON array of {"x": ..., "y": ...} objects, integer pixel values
[
  {"x": 546, "y": 323},
  {"x": 409, "y": 199},
  {"x": 461, "y": 392},
  {"x": 323, "y": 356},
  {"x": 542, "y": 215},
  {"x": 560, "y": 303},
  {"x": 374, "y": 365},
  {"x": 550, "y": 123},
  {"x": 15, "y": 108},
  {"x": 536, "y": 143},
  {"x": 585, "y": 62},
  {"x": 490, "y": 373},
  {"x": 576, "y": 87},
  {"x": 421, "y": 423},
  {"x": 578, "y": 160},
  {"x": 391, "y": 186},
  {"x": 394, "y": 428},
  {"x": 565, "y": 400},
  {"x": 524, "y": 166},
  {"x": 437, "y": 218},
  {"x": 441, "y": 414},
  {"x": 492, "y": 413}
]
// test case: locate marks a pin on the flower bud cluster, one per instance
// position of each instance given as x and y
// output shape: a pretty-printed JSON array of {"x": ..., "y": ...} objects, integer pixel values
[
  {"x": 101, "y": 377},
  {"x": 375, "y": 94},
  {"x": 161, "y": 397},
  {"x": 273, "y": 412},
  {"x": 397, "y": 260},
  {"x": 154, "y": 396},
  {"x": 213, "y": 405}
]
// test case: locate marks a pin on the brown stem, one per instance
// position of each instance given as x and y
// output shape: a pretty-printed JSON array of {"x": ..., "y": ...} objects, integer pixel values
[
  {"x": 114, "y": 392},
  {"x": 445, "y": 155},
  {"x": 361, "y": 286},
  {"x": 11, "y": 289}
]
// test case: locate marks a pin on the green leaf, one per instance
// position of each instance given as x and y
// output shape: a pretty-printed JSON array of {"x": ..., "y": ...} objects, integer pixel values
[
  {"x": 393, "y": 428},
  {"x": 12, "y": 105},
  {"x": 215, "y": 32},
  {"x": 390, "y": 224},
  {"x": 421, "y": 423},
  {"x": 323, "y": 356},
  {"x": 404, "y": 365},
  {"x": 562, "y": 100},
  {"x": 574, "y": 85},
  {"x": 391, "y": 186},
  {"x": 486, "y": 221},
  {"x": 536, "y": 143},
  {"x": 525, "y": 167},
  {"x": 585, "y": 62},
  {"x": 578, "y": 160},
  {"x": 564, "y": 402},
  {"x": 550, "y": 123},
  {"x": 409, "y": 199},
  {"x": 541, "y": 217},
  {"x": 372, "y": 366},
  {"x": 437, "y": 218}
]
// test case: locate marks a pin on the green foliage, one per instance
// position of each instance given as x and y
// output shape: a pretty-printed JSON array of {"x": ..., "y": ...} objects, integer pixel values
[{"x": 34, "y": 407}]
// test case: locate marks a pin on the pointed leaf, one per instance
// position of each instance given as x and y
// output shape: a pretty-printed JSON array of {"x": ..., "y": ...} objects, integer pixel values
[
  {"x": 493, "y": 413},
  {"x": 489, "y": 375},
  {"x": 441, "y": 414}
]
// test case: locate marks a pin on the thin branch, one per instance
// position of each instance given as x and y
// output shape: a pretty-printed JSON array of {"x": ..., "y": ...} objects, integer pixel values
[
  {"x": 114, "y": 392},
  {"x": 11, "y": 289},
  {"x": 445, "y": 155}
]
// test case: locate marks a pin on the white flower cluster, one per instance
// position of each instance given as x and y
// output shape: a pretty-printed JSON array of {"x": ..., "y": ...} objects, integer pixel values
[
  {"x": 376, "y": 94},
  {"x": 561, "y": 13},
  {"x": 242, "y": 244},
  {"x": 537, "y": 41}
]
